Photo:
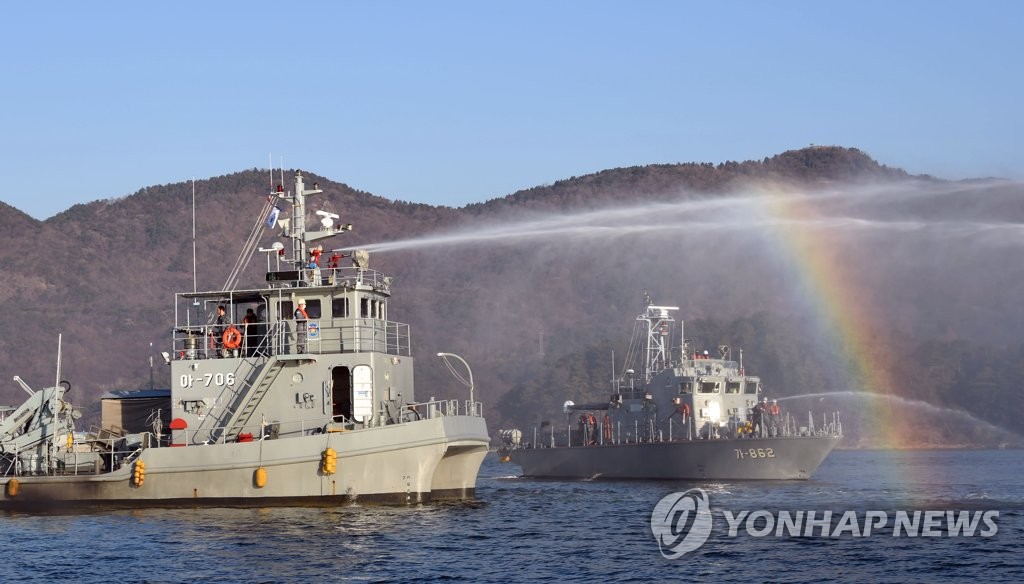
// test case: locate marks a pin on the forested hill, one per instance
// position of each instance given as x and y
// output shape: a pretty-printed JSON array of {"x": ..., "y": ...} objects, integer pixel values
[
  {"x": 541, "y": 286},
  {"x": 661, "y": 181}
]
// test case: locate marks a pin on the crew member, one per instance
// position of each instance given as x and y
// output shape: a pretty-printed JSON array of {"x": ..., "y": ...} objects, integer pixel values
[
  {"x": 584, "y": 430},
  {"x": 774, "y": 417},
  {"x": 300, "y": 327},
  {"x": 219, "y": 326},
  {"x": 757, "y": 415}
]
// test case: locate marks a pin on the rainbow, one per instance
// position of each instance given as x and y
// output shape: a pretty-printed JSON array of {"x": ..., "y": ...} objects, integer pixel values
[{"x": 841, "y": 304}]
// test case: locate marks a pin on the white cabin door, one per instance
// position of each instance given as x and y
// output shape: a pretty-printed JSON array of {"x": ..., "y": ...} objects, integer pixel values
[{"x": 362, "y": 393}]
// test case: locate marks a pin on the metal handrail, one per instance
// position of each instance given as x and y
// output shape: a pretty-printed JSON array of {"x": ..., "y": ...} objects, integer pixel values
[
  {"x": 785, "y": 428},
  {"x": 343, "y": 276},
  {"x": 334, "y": 335}
]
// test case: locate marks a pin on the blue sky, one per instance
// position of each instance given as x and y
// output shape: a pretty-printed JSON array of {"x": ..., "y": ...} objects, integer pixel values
[{"x": 458, "y": 102}]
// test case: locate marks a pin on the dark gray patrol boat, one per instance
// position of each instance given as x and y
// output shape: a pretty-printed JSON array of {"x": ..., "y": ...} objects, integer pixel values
[{"x": 687, "y": 416}]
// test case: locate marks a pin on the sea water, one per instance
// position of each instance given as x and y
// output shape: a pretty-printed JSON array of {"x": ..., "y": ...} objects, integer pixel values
[{"x": 522, "y": 530}]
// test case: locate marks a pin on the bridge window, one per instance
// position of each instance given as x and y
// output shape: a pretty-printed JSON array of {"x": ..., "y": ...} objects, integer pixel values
[
  {"x": 732, "y": 387},
  {"x": 339, "y": 308},
  {"x": 750, "y": 387},
  {"x": 313, "y": 308},
  {"x": 285, "y": 309},
  {"x": 709, "y": 387},
  {"x": 685, "y": 387},
  {"x": 371, "y": 308}
]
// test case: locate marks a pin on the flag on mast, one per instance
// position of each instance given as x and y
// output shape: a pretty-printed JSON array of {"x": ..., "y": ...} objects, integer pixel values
[{"x": 272, "y": 216}]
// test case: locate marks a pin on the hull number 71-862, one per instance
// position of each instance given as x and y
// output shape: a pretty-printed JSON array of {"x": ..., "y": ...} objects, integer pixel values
[{"x": 743, "y": 453}]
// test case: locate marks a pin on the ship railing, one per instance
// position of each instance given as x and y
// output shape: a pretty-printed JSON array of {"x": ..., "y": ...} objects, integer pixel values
[
  {"x": 343, "y": 276},
  {"x": 448, "y": 407},
  {"x": 359, "y": 335},
  {"x": 709, "y": 366},
  {"x": 786, "y": 426},
  {"x": 250, "y": 432},
  {"x": 191, "y": 342},
  {"x": 344, "y": 335},
  {"x": 96, "y": 453},
  {"x": 268, "y": 430},
  {"x": 322, "y": 336}
]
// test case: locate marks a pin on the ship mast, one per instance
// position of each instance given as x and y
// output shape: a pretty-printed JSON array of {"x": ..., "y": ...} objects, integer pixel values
[
  {"x": 659, "y": 325},
  {"x": 297, "y": 224},
  {"x": 296, "y": 228}
]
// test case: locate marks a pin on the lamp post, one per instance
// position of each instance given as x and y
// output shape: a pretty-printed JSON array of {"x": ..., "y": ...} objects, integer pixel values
[{"x": 469, "y": 384}]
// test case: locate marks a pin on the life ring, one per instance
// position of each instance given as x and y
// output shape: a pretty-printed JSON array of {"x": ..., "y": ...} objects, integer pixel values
[{"x": 232, "y": 338}]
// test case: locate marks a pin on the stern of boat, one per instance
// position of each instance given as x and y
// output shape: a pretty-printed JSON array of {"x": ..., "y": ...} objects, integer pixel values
[{"x": 466, "y": 444}]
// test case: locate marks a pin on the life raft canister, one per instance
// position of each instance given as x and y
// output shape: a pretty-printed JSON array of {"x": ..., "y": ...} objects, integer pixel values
[{"x": 232, "y": 338}]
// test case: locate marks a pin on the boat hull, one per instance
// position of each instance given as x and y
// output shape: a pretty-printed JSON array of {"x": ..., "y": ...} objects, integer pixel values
[
  {"x": 793, "y": 458},
  {"x": 405, "y": 463}
]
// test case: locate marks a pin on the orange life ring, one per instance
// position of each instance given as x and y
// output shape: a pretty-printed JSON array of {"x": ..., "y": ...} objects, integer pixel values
[{"x": 232, "y": 338}]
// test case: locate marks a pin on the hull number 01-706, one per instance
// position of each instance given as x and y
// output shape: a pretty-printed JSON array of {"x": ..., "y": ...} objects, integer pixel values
[
  {"x": 742, "y": 453},
  {"x": 216, "y": 379}
]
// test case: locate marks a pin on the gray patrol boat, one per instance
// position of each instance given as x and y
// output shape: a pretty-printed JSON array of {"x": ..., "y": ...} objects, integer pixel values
[
  {"x": 685, "y": 416},
  {"x": 269, "y": 404}
]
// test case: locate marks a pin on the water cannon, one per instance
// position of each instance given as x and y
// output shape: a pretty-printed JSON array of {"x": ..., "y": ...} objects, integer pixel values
[{"x": 361, "y": 258}]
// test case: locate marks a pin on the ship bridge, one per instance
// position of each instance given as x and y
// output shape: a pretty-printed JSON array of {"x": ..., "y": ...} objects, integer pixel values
[{"x": 347, "y": 313}]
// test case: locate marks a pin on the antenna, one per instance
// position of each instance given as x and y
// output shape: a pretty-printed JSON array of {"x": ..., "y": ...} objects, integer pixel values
[
  {"x": 194, "y": 286},
  {"x": 57, "y": 384},
  {"x": 684, "y": 346},
  {"x": 615, "y": 382}
]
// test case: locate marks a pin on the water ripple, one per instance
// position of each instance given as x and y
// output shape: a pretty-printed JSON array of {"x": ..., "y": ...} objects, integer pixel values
[{"x": 548, "y": 531}]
